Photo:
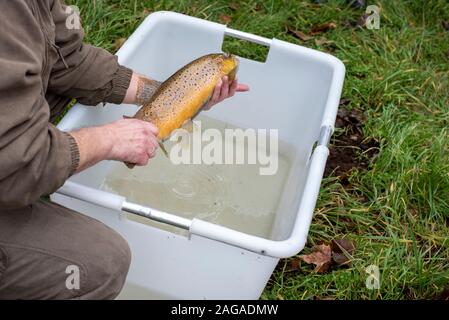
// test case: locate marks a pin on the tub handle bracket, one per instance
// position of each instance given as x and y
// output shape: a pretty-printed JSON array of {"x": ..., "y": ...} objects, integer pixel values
[
  {"x": 156, "y": 215},
  {"x": 325, "y": 136}
]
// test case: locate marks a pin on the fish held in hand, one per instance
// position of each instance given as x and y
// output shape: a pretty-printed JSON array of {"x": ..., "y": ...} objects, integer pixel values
[{"x": 182, "y": 96}]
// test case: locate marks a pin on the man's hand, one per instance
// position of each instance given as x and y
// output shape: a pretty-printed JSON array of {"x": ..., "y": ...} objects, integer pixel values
[
  {"x": 224, "y": 90},
  {"x": 133, "y": 141},
  {"x": 127, "y": 140}
]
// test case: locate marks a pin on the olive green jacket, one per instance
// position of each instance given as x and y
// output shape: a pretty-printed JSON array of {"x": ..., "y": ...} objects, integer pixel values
[{"x": 43, "y": 65}]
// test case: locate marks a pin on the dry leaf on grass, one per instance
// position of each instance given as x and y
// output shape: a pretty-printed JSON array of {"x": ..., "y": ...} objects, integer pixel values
[
  {"x": 293, "y": 265},
  {"x": 322, "y": 28},
  {"x": 321, "y": 257},
  {"x": 225, "y": 18},
  {"x": 342, "y": 250},
  {"x": 298, "y": 34}
]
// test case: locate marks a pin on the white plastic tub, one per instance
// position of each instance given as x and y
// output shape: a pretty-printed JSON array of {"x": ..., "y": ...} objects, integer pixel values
[{"x": 297, "y": 91}]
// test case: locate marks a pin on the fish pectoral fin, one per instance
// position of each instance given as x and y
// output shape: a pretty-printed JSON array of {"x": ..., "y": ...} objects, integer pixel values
[
  {"x": 161, "y": 145},
  {"x": 188, "y": 125}
]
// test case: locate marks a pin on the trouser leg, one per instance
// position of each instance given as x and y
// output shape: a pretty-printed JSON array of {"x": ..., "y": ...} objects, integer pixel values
[{"x": 46, "y": 250}]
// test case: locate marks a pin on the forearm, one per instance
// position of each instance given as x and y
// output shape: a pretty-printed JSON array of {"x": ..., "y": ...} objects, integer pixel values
[
  {"x": 90, "y": 153},
  {"x": 141, "y": 89}
]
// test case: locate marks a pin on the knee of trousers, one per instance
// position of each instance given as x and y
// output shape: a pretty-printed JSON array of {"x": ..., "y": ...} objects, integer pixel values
[
  {"x": 51, "y": 252},
  {"x": 105, "y": 267}
]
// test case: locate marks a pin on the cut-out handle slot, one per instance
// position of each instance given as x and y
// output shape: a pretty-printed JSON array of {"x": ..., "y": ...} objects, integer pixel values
[
  {"x": 248, "y": 37},
  {"x": 246, "y": 45}
]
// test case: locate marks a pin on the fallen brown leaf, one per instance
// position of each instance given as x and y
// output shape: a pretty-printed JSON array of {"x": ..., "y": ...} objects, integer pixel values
[
  {"x": 146, "y": 11},
  {"x": 342, "y": 249},
  {"x": 321, "y": 257},
  {"x": 225, "y": 18},
  {"x": 340, "y": 259},
  {"x": 298, "y": 34},
  {"x": 293, "y": 265},
  {"x": 322, "y": 28},
  {"x": 341, "y": 245}
]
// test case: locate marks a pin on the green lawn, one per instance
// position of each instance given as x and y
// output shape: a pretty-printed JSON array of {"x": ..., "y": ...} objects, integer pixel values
[{"x": 392, "y": 199}]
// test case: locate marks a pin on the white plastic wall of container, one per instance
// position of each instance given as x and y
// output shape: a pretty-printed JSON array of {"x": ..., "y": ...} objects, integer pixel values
[{"x": 296, "y": 91}]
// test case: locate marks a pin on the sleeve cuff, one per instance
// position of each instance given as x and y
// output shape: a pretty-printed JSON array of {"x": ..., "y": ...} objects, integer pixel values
[
  {"x": 120, "y": 84},
  {"x": 74, "y": 154}
]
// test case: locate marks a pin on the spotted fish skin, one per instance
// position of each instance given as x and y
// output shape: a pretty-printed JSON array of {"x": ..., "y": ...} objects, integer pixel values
[{"x": 182, "y": 96}]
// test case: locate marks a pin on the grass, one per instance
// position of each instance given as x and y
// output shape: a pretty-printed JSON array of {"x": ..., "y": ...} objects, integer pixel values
[{"x": 396, "y": 211}]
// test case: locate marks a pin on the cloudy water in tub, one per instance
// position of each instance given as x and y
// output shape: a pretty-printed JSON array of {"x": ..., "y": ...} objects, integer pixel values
[{"x": 231, "y": 195}]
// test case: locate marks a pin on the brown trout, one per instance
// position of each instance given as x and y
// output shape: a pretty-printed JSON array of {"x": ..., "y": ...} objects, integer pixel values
[{"x": 182, "y": 96}]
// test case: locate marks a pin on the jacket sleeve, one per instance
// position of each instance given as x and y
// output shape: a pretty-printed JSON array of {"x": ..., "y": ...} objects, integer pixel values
[
  {"x": 87, "y": 73},
  {"x": 35, "y": 157}
]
